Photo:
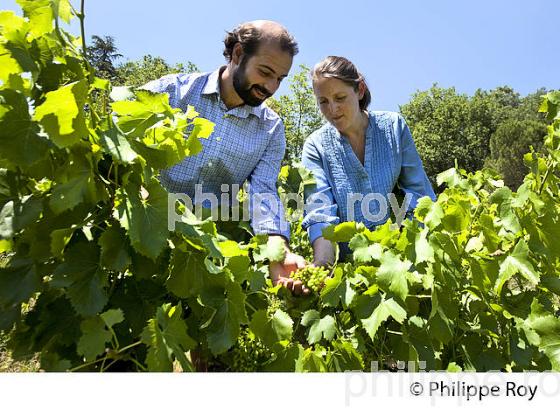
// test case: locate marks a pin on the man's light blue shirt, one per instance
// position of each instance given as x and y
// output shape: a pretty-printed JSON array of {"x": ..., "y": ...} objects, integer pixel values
[{"x": 247, "y": 144}]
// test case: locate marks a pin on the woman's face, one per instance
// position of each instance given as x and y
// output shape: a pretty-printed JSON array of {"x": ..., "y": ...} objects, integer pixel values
[{"x": 338, "y": 101}]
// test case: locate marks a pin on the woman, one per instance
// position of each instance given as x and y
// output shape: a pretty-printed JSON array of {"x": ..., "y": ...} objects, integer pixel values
[{"x": 357, "y": 158}]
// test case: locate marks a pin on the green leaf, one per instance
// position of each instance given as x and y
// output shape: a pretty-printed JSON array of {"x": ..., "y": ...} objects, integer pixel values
[
  {"x": 337, "y": 290},
  {"x": 18, "y": 214},
  {"x": 18, "y": 281},
  {"x": 517, "y": 262},
  {"x": 167, "y": 338},
  {"x": 387, "y": 308},
  {"x": 40, "y": 14},
  {"x": 62, "y": 116},
  {"x": 342, "y": 232},
  {"x": 364, "y": 252},
  {"x": 75, "y": 184},
  {"x": 118, "y": 146},
  {"x": 114, "y": 249},
  {"x": 271, "y": 248},
  {"x": 319, "y": 328},
  {"x": 547, "y": 326},
  {"x": 229, "y": 314},
  {"x": 271, "y": 329},
  {"x": 80, "y": 274},
  {"x": 145, "y": 219},
  {"x": 392, "y": 275},
  {"x": 94, "y": 338},
  {"x": 135, "y": 117},
  {"x": 188, "y": 274},
  {"x": 59, "y": 239},
  {"x": 112, "y": 316},
  {"x": 22, "y": 145}
]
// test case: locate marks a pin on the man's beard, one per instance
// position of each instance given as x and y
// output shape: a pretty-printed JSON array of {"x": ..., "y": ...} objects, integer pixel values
[{"x": 244, "y": 89}]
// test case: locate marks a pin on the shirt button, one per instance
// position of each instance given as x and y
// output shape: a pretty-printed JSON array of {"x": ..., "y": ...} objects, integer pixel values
[
  {"x": 218, "y": 139},
  {"x": 209, "y": 163}
]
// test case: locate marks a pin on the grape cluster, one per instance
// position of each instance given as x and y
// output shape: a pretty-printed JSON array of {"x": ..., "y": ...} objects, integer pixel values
[
  {"x": 249, "y": 354},
  {"x": 275, "y": 304},
  {"x": 313, "y": 277}
]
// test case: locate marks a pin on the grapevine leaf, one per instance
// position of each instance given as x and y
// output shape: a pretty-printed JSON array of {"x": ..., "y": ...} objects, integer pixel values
[
  {"x": 18, "y": 281},
  {"x": 114, "y": 249},
  {"x": 19, "y": 135},
  {"x": 392, "y": 273},
  {"x": 342, "y": 232},
  {"x": 80, "y": 274},
  {"x": 187, "y": 274},
  {"x": 118, "y": 146},
  {"x": 94, "y": 338},
  {"x": 229, "y": 314},
  {"x": 271, "y": 329},
  {"x": 146, "y": 219},
  {"x": 166, "y": 336},
  {"x": 387, "y": 308},
  {"x": 135, "y": 117},
  {"x": 319, "y": 328},
  {"x": 547, "y": 326},
  {"x": 112, "y": 316},
  {"x": 61, "y": 114},
  {"x": 76, "y": 185},
  {"x": 270, "y": 248},
  {"x": 337, "y": 289},
  {"x": 364, "y": 252},
  {"x": 517, "y": 261}
]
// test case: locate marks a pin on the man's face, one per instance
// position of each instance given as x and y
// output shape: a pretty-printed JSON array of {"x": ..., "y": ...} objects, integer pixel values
[{"x": 258, "y": 77}]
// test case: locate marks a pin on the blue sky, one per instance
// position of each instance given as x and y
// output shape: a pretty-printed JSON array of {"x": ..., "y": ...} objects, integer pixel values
[{"x": 400, "y": 46}]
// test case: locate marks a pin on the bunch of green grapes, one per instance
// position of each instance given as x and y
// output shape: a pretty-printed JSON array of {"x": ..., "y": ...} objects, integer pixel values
[
  {"x": 274, "y": 304},
  {"x": 313, "y": 277},
  {"x": 249, "y": 354}
]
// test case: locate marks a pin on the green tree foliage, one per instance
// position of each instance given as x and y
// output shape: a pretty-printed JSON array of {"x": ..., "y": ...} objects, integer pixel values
[
  {"x": 102, "y": 55},
  {"x": 299, "y": 112},
  {"x": 511, "y": 141},
  {"x": 449, "y": 127},
  {"x": 137, "y": 73}
]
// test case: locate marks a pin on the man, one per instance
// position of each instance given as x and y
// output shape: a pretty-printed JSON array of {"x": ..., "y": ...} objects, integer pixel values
[{"x": 248, "y": 141}]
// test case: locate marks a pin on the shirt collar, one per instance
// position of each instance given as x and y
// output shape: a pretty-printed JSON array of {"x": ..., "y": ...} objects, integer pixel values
[{"x": 212, "y": 86}]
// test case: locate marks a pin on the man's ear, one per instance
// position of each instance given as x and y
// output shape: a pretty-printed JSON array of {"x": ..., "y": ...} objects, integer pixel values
[{"x": 237, "y": 54}]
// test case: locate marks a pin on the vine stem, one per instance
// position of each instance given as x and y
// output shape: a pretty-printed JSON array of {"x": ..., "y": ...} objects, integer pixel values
[{"x": 82, "y": 17}]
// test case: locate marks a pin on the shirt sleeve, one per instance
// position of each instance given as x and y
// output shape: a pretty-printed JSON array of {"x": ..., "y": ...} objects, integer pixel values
[
  {"x": 412, "y": 179},
  {"x": 321, "y": 209},
  {"x": 265, "y": 207}
]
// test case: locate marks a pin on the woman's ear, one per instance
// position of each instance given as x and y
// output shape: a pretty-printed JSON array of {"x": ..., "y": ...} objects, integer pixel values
[
  {"x": 361, "y": 89},
  {"x": 237, "y": 54}
]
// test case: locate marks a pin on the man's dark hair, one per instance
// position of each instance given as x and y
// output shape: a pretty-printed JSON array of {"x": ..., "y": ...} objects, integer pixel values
[{"x": 251, "y": 35}]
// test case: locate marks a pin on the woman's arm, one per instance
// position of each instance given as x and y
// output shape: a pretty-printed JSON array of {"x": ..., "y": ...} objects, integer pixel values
[
  {"x": 320, "y": 207},
  {"x": 413, "y": 180}
]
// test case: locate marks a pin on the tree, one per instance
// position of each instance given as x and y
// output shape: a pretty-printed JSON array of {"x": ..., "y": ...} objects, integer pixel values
[
  {"x": 102, "y": 54},
  {"x": 510, "y": 142},
  {"x": 136, "y": 73},
  {"x": 449, "y": 127},
  {"x": 298, "y": 111}
]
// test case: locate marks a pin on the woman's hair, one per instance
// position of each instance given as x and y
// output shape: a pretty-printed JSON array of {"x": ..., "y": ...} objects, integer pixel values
[
  {"x": 251, "y": 35},
  {"x": 343, "y": 70}
]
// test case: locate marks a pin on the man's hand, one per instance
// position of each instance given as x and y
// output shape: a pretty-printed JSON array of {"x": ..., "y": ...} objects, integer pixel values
[{"x": 280, "y": 273}]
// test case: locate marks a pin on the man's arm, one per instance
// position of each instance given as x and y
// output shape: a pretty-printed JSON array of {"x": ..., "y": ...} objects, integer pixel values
[{"x": 267, "y": 211}]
